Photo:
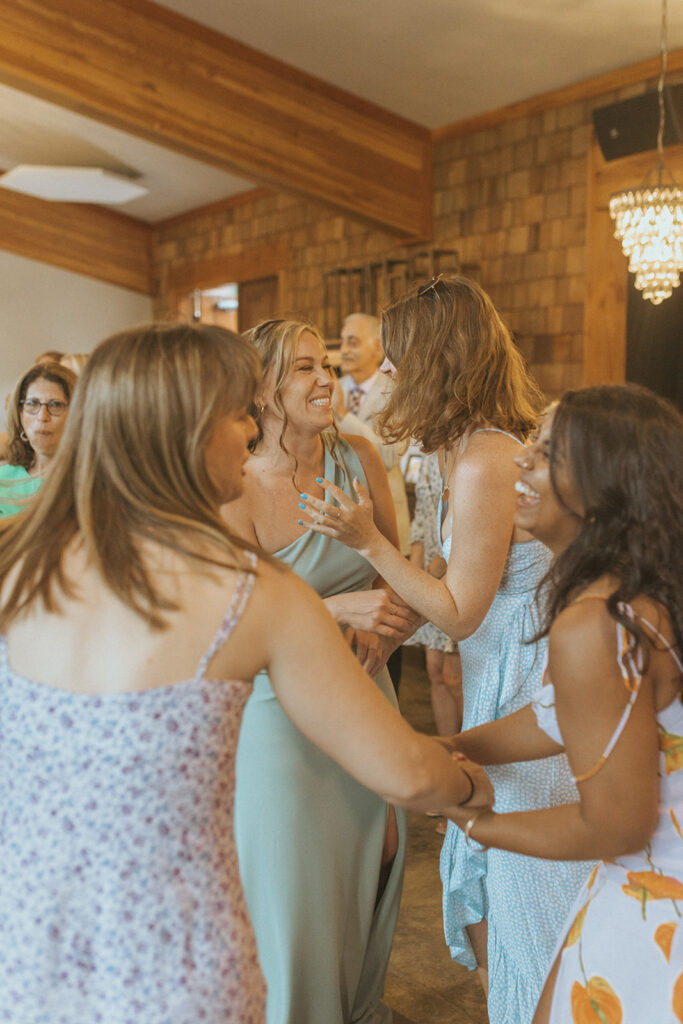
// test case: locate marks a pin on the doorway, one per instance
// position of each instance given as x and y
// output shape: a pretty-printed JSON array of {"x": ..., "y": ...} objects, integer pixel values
[{"x": 654, "y": 343}]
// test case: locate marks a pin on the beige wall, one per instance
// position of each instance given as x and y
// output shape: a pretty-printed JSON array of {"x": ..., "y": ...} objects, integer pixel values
[{"x": 45, "y": 307}]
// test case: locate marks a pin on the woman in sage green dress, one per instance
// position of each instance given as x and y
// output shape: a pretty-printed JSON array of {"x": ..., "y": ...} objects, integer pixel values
[{"x": 321, "y": 857}]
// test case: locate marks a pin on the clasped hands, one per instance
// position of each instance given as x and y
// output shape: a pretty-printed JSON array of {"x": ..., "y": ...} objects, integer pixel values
[
  {"x": 379, "y": 622},
  {"x": 482, "y": 797}
]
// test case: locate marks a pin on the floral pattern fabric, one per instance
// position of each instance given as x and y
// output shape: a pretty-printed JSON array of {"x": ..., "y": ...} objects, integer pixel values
[
  {"x": 622, "y": 957},
  {"x": 120, "y": 896},
  {"x": 424, "y": 530}
]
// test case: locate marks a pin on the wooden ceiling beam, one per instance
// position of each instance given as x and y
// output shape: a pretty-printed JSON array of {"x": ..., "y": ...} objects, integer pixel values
[
  {"x": 162, "y": 77},
  {"x": 79, "y": 237}
]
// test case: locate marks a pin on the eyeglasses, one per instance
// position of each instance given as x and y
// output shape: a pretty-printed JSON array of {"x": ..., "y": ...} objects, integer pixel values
[{"x": 54, "y": 407}]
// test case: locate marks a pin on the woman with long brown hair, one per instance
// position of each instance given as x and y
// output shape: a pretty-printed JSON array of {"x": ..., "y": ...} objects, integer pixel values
[
  {"x": 461, "y": 388},
  {"x": 122, "y": 683}
]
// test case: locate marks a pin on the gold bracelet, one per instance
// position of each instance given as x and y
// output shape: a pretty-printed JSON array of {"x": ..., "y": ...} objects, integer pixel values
[{"x": 469, "y": 825}]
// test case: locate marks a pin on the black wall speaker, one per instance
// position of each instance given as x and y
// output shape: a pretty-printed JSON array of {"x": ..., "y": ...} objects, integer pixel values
[{"x": 631, "y": 126}]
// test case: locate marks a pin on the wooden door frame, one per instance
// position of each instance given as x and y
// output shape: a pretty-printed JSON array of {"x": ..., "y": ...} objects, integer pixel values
[
  {"x": 251, "y": 265},
  {"x": 604, "y": 354}
]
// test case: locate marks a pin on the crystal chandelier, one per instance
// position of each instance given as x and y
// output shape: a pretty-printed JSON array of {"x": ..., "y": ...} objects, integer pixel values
[{"x": 649, "y": 219}]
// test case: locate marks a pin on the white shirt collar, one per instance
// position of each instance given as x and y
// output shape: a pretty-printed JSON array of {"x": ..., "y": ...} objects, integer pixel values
[{"x": 366, "y": 384}]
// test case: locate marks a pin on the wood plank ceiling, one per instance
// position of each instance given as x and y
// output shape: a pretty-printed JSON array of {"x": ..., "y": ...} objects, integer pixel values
[{"x": 155, "y": 74}]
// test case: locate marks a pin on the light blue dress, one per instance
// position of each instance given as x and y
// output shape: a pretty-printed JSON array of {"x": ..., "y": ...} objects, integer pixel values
[
  {"x": 524, "y": 899},
  {"x": 310, "y": 838}
]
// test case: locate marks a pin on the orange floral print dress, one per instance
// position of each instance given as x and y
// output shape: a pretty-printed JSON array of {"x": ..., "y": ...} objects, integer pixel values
[{"x": 622, "y": 954}]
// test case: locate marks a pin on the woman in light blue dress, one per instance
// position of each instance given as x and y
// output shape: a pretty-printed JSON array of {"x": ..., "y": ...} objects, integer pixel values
[
  {"x": 321, "y": 857},
  {"x": 461, "y": 388}
]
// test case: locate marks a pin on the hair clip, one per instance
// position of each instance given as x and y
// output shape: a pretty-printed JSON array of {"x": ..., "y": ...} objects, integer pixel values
[{"x": 428, "y": 287}]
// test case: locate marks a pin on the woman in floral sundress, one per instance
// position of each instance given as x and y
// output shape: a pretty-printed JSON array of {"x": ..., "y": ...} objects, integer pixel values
[
  {"x": 602, "y": 486},
  {"x": 122, "y": 685}
]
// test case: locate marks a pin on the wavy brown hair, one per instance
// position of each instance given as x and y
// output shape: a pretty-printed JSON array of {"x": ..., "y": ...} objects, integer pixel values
[
  {"x": 623, "y": 446},
  {"x": 276, "y": 342},
  {"x": 20, "y": 452},
  {"x": 131, "y": 467},
  {"x": 457, "y": 365}
]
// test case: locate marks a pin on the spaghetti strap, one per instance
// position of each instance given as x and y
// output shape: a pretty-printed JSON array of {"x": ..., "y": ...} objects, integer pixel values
[
  {"x": 631, "y": 668},
  {"x": 243, "y": 590},
  {"x": 627, "y": 610},
  {"x": 495, "y": 430}
]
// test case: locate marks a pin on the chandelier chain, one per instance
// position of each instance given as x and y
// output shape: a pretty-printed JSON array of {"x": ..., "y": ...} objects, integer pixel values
[
  {"x": 660, "y": 90},
  {"x": 649, "y": 219}
]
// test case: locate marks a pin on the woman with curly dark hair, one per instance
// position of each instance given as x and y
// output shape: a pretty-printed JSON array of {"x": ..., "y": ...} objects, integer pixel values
[
  {"x": 602, "y": 486},
  {"x": 35, "y": 422},
  {"x": 461, "y": 388}
]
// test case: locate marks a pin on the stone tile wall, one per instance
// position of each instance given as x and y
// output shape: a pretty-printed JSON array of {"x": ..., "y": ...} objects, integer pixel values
[{"x": 510, "y": 198}]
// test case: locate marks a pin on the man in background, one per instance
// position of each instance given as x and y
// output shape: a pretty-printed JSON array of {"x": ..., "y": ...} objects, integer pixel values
[{"x": 365, "y": 391}]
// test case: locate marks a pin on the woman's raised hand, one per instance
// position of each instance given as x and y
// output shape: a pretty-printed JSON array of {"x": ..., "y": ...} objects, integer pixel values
[{"x": 348, "y": 521}]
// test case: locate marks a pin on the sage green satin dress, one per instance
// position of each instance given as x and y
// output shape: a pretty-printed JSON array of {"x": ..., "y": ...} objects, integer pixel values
[{"x": 310, "y": 838}]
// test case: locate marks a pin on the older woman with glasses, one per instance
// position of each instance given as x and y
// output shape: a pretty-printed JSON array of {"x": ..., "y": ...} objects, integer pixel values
[{"x": 35, "y": 423}]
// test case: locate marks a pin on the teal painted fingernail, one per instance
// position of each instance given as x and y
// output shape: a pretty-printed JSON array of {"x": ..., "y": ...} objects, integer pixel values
[
  {"x": 318, "y": 479},
  {"x": 303, "y": 495},
  {"x": 301, "y": 506},
  {"x": 300, "y": 522}
]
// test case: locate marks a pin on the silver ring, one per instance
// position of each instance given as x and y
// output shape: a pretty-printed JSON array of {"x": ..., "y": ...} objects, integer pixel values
[
  {"x": 317, "y": 520},
  {"x": 338, "y": 514}
]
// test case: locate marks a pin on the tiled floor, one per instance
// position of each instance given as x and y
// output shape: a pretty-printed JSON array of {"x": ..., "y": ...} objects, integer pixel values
[{"x": 424, "y": 986}]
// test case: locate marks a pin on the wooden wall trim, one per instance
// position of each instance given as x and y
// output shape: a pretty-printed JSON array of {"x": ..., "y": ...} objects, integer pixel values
[
  {"x": 163, "y": 77},
  {"x": 585, "y": 90},
  {"x": 249, "y": 265},
  {"x": 85, "y": 239},
  {"x": 604, "y": 346}
]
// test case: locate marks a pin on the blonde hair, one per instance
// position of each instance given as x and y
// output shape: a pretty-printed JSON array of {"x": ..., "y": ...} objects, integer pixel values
[
  {"x": 457, "y": 365},
  {"x": 19, "y": 450},
  {"x": 131, "y": 466},
  {"x": 75, "y": 361},
  {"x": 276, "y": 342}
]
